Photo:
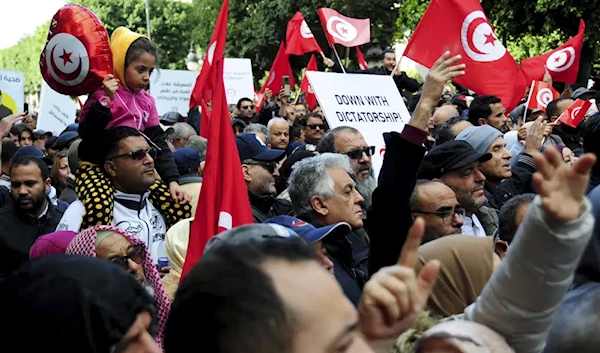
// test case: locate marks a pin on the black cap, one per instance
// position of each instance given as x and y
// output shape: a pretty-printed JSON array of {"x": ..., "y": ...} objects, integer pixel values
[
  {"x": 171, "y": 118},
  {"x": 250, "y": 146},
  {"x": 449, "y": 156}
]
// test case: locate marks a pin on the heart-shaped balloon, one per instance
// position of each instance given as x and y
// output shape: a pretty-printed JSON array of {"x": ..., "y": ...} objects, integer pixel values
[{"x": 77, "y": 54}]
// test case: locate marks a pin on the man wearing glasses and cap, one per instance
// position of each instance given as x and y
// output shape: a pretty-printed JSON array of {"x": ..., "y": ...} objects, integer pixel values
[{"x": 260, "y": 167}]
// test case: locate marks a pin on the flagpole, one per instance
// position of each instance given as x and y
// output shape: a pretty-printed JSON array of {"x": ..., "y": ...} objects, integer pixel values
[{"x": 336, "y": 53}]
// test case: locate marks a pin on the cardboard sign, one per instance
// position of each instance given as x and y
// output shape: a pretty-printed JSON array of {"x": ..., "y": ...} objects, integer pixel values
[
  {"x": 369, "y": 103},
  {"x": 56, "y": 110},
  {"x": 12, "y": 96},
  {"x": 172, "y": 88}
]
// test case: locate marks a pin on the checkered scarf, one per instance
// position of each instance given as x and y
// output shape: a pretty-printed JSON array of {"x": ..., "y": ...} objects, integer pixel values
[{"x": 85, "y": 244}]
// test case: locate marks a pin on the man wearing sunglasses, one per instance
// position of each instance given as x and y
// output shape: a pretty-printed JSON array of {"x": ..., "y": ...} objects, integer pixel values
[
  {"x": 314, "y": 128},
  {"x": 129, "y": 165},
  {"x": 260, "y": 166}
]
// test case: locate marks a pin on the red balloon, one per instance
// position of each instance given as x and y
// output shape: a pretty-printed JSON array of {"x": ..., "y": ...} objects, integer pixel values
[{"x": 77, "y": 54}]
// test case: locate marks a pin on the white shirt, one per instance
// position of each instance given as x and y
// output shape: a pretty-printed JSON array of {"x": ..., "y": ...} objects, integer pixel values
[
  {"x": 471, "y": 225},
  {"x": 146, "y": 223}
]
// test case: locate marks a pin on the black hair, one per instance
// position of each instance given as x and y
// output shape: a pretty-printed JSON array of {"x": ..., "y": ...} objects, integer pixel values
[
  {"x": 412, "y": 101},
  {"x": 235, "y": 302},
  {"x": 19, "y": 129},
  {"x": 16, "y": 129},
  {"x": 480, "y": 108},
  {"x": 9, "y": 148},
  {"x": 138, "y": 47},
  {"x": 552, "y": 108},
  {"x": 114, "y": 137},
  {"x": 507, "y": 227},
  {"x": 239, "y": 103},
  {"x": 443, "y": 132},
  {"x": 589, "y": 132},
  {"x": 295, "y": 132},
  {"x": 327, "y": 143},
  {"x": 305, "y": 118},
  {"x": 27, "y": 160},
  {"x": 387, "y": 51}
]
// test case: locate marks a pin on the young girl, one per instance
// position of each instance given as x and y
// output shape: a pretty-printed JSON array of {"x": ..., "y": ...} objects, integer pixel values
[{"x": 123, "y": 94}]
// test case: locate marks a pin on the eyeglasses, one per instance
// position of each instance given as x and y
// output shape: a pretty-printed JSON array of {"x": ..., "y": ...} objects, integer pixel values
[
  {"x": 447, "y": 216},
  {"x": 138, "y": 154},
  {"x": 136, "y": 253},
  {"x": 269, "y": 166},
  {"x": 248, "y": 107},
  {"x": 315, "y": 126},
  {"x": 358, "y": 153}
]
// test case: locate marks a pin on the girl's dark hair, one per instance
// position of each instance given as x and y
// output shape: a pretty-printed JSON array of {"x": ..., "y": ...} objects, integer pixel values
[{"x": 138, "y": 47}]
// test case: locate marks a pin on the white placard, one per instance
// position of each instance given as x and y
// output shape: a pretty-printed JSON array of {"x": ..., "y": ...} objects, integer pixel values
[
  {"x": 12, "y": 86},
  {"x": 172, "y": 88},
  {"x": 237, "y": 75},
  {"x": 369, "y": 103},
  {"x": 57, "y": 111}
]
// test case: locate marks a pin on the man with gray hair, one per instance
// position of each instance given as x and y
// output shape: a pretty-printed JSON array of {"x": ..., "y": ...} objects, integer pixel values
[
  {"x": 279, "y": 134},
  {"x": 323, "y": 192},
  {"x": 180, "y": 135},
  {"x": 259, "y": 130},
  {"x": 350, "y": 142}
]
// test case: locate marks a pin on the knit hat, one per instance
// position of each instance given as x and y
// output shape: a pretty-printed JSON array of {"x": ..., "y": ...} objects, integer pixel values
[
  {"x": 480, "y": 137},
  {"x": 53, "y": 243},
  {"x": 120, "y": 41}
]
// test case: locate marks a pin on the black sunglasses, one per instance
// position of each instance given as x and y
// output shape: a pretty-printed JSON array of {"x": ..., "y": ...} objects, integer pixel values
[
  {"x": 136, "y": 253},
  {"x": 315, "y": 126},
  {"x": 269, "y": 166},
  {"x": 248, "y": 107},
  {"x": 447, "y": 216},
  {"x": 138, "y": 154},
  {"x": 358, "y": 153}
]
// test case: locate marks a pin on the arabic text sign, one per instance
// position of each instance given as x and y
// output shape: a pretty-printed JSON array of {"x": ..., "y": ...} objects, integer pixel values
[
  {"x": 369, "y": 103},
  {"x": 12, "y": 86},
  {"x": 56, "y": 110},
  {"x": 172, "y": 89}
]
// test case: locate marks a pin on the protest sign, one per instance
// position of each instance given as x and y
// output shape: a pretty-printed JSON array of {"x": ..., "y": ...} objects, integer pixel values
[
  {"x": 172, "y": 88},
  {"x": 56, "y": 110},
  {"x": 237, "y": 75},
  {"x": 369, "y": 103},
  {"x": 12, "y": 96}
]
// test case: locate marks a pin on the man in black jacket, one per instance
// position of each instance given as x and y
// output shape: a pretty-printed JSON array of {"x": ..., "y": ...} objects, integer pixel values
[
  {"x": 260, "y": 168},
  {"x": 30, "y": 214}
]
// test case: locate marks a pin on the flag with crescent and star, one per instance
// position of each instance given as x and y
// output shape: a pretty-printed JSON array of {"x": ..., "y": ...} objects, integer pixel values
[
  {"x": 562, "y": 63},
  {"x": 490, "y": 69},
  {"x": 305, "y": 86},
  {"x": 540, "y": 95},
  {"x": 343, "y": 30},
  {"x": 299, "y": 39}
]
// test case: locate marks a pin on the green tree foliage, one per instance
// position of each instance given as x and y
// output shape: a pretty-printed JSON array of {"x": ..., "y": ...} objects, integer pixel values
[
  {"x": 257, "y": 26},
  {"x": 25, "y": 57}
]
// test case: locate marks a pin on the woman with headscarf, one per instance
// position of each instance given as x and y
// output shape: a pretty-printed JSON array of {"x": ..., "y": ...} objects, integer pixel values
[
  {"x": 75, "y": 304},
  {"x": 131, "y": 254},
  {"x": 176, "y": 244},
  {"x": 467, "y": 264}
]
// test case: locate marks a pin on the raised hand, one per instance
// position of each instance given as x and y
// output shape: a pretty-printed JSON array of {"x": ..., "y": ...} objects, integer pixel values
[
  {"x": 442, "y": 71},
  {"x": 111, "y": 84},
  {"x": 562, "y": 187},
  {"x": 535, "y": 136},
  {"x": 394, "y": 296},
  {"x": 7, "y": 123}
]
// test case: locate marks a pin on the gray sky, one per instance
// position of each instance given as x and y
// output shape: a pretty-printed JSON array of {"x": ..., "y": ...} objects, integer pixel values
[{"x": 22, "y": 17}]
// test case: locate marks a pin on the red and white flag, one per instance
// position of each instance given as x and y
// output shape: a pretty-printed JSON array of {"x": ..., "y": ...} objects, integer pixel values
[
  {"x": 562, "y": 63},
  {"x": 223, "y": 202},
  {"x": 299, "y": 39},
  {"x": 343, "y": 30},
  {"x": 281, "y": 67},
  {"x": 540, "y": 95},
  {"x": 575, "y": 113},
  {"x": 305, "y": 86},
  {"x": 205, "y": 82},
  {"x": 362, "y": 63},
  {"x": 491, "y": 70}
]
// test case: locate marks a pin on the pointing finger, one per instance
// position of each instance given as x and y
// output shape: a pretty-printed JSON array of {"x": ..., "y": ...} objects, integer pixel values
[{"x": 409, "y": 253}]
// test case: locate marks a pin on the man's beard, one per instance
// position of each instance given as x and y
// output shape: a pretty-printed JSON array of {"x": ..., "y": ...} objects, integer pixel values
[{"x": 365, "y": 188}]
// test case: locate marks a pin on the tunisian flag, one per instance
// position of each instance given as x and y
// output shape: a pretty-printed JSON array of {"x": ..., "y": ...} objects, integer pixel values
[
  {"x": 575, "y": 113},
  {"x": 562, "y": 63},
  {"x": 305, "y": 86},
  {"x": 343, "y": 30},
  {"x": 281, "y": 67},
  {"x": 223, "y": 202},
  {"x": 540, "y": 95},
  {"x": 205, "y": 82},
  {"x": 491, "y": 70},
  {"x": 299, "y": 38},
  {"x": 362, "y": 63}
]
